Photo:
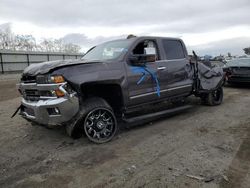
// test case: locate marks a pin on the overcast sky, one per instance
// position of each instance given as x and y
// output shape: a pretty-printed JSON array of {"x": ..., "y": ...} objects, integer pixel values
[{"x": 210, "y": 27}]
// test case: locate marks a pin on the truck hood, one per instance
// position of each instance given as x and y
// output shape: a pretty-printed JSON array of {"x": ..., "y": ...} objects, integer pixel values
[{"x": 45, "y": 67}]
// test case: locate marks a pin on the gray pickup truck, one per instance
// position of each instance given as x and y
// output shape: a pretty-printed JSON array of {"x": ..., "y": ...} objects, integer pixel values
[{"x": 115, "y": 82}]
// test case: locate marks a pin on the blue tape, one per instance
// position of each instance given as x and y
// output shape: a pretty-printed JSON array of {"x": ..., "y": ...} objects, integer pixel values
[{"x": 145, "y": 70}]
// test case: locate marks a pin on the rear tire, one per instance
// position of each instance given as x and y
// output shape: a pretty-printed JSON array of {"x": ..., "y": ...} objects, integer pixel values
[{"x": 214, "y": 98}]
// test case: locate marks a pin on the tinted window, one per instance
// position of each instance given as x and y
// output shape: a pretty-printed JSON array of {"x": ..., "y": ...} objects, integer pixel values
[{"x": 173, "y": 49}]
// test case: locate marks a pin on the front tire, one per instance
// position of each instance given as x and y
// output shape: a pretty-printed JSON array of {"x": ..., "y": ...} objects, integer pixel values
[{"x": 97, "y": 120}]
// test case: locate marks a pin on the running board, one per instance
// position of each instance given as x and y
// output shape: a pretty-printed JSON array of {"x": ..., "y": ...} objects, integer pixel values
[{"x": 157, "y": 115}]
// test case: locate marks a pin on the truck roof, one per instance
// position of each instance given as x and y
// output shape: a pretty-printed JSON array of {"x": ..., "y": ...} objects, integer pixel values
[
  {"x": 152, "y": 37},
  {"x": 156, "y": 37},
  {"x": 146, "y": 37}
]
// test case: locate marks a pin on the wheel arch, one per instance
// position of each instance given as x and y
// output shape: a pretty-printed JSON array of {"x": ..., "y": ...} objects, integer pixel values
[{"x": 110, "y": 92}]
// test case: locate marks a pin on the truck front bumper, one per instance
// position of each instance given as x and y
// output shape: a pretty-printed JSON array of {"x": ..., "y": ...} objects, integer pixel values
[
  {"x": 41, "y": 105},
  {"x": 50, "y": 112}
]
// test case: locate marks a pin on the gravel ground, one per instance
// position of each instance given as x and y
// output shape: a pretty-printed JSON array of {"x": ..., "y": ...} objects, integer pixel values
[
  {"x": 7, "y": 77},
  {"x": 8, "y": 87},
  {"x": 202, "y": 147}
]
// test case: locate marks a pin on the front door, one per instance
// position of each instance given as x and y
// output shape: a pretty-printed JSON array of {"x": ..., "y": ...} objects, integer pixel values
[{"x": 142, "y": 84}]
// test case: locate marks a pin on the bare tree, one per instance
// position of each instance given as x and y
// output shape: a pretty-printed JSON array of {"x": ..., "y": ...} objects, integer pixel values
[
  {"x": 25, "y": 43},
  {"x": 72, "y": 48},
  {"x": 58, "y": 44},
  {"x": 247, "y": 51},
  {"x": 9, "y": 41},
  {"x": 6, "y": 37}
]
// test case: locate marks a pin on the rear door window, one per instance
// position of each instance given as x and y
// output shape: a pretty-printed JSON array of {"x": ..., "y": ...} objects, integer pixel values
[{"x": 173, "y": 49}]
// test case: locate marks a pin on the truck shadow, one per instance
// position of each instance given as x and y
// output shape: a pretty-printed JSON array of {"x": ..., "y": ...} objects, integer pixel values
[
  {"x": 59, "y": 133},
  {"x": 183, "y": 114}
]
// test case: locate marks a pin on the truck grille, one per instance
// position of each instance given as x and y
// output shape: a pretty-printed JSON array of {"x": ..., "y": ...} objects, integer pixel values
[
  {"x": 32, "y": 92},
  {"x": 35, "y": 95},
  {"x": 31, "y": 95},
  {"x": 28, "y": 79}
]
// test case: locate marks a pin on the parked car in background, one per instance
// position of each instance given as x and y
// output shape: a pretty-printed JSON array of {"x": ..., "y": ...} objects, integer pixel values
[{"x": 237, "y": 70}]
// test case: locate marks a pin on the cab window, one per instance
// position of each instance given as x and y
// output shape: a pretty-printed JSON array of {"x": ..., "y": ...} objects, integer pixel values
[
  {"x": 148, "y": 47},
  {"x": 173, "y": 49}
]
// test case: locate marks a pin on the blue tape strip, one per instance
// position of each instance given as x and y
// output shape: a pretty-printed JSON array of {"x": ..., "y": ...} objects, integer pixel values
[{"x": 145, "y": 70}]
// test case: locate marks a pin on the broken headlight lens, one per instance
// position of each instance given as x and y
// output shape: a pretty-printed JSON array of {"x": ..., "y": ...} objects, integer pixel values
[{"x": 64, "y": 89}]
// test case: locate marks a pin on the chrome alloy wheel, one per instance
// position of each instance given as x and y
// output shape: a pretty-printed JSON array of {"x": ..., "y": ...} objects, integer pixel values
[{"x": 100, "y": 125}]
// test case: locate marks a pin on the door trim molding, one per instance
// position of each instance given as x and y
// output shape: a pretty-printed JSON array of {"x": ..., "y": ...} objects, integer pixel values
[{"x": 162, "y": 91}]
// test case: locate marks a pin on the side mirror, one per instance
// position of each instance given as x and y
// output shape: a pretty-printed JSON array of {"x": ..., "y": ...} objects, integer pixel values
[{"x": 141, "y": 59}]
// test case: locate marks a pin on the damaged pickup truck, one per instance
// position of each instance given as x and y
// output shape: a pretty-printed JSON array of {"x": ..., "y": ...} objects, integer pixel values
[{"x": 112, "y": 83}]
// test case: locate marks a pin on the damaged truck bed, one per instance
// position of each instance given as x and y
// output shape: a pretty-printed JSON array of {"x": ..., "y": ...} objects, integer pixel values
[{"x": 112, "y": 82}]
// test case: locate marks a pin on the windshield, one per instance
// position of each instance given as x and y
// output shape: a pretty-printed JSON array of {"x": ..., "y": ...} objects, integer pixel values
[
  {"x": 108, "y": 51},
  {"x": 239, "y": 62}
]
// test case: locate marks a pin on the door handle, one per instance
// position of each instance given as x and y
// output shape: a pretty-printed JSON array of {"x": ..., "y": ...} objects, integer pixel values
[{"x": 161, "y": 68}]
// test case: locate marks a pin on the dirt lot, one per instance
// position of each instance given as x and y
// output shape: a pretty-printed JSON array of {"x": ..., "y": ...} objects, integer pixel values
[{"x": 202, "y": 147}]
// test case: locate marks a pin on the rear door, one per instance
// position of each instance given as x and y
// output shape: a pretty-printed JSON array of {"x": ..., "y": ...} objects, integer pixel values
[{"x": 175, "y": 74}]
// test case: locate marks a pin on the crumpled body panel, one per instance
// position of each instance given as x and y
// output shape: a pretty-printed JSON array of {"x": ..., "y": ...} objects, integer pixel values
[
  {"x": 44, "y": 67},
  {"x": 209, "y": 77}
]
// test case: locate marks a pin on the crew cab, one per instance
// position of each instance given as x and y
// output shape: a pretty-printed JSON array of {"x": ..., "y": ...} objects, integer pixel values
[{"x": 113, "y": 83}]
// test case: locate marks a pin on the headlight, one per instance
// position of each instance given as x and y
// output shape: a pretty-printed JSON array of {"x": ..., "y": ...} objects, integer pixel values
[
  {"x": 57, "y": 79},
  {"x": 48, "y": 79},
  {"x": 63, "y": 87}
]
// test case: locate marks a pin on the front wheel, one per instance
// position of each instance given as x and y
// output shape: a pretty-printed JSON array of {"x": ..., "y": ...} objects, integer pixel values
[
  {"x": 213, "y": 98},
  {"x": 96, "y": 119},
  {"x": 100, "y": 125}
]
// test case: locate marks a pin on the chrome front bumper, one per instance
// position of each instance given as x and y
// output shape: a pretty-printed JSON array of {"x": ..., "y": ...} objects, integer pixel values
[{"x": 40, "y": 111}]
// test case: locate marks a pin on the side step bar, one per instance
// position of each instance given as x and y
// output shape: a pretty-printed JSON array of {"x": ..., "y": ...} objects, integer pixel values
[{"x": 156, "y": 115}]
